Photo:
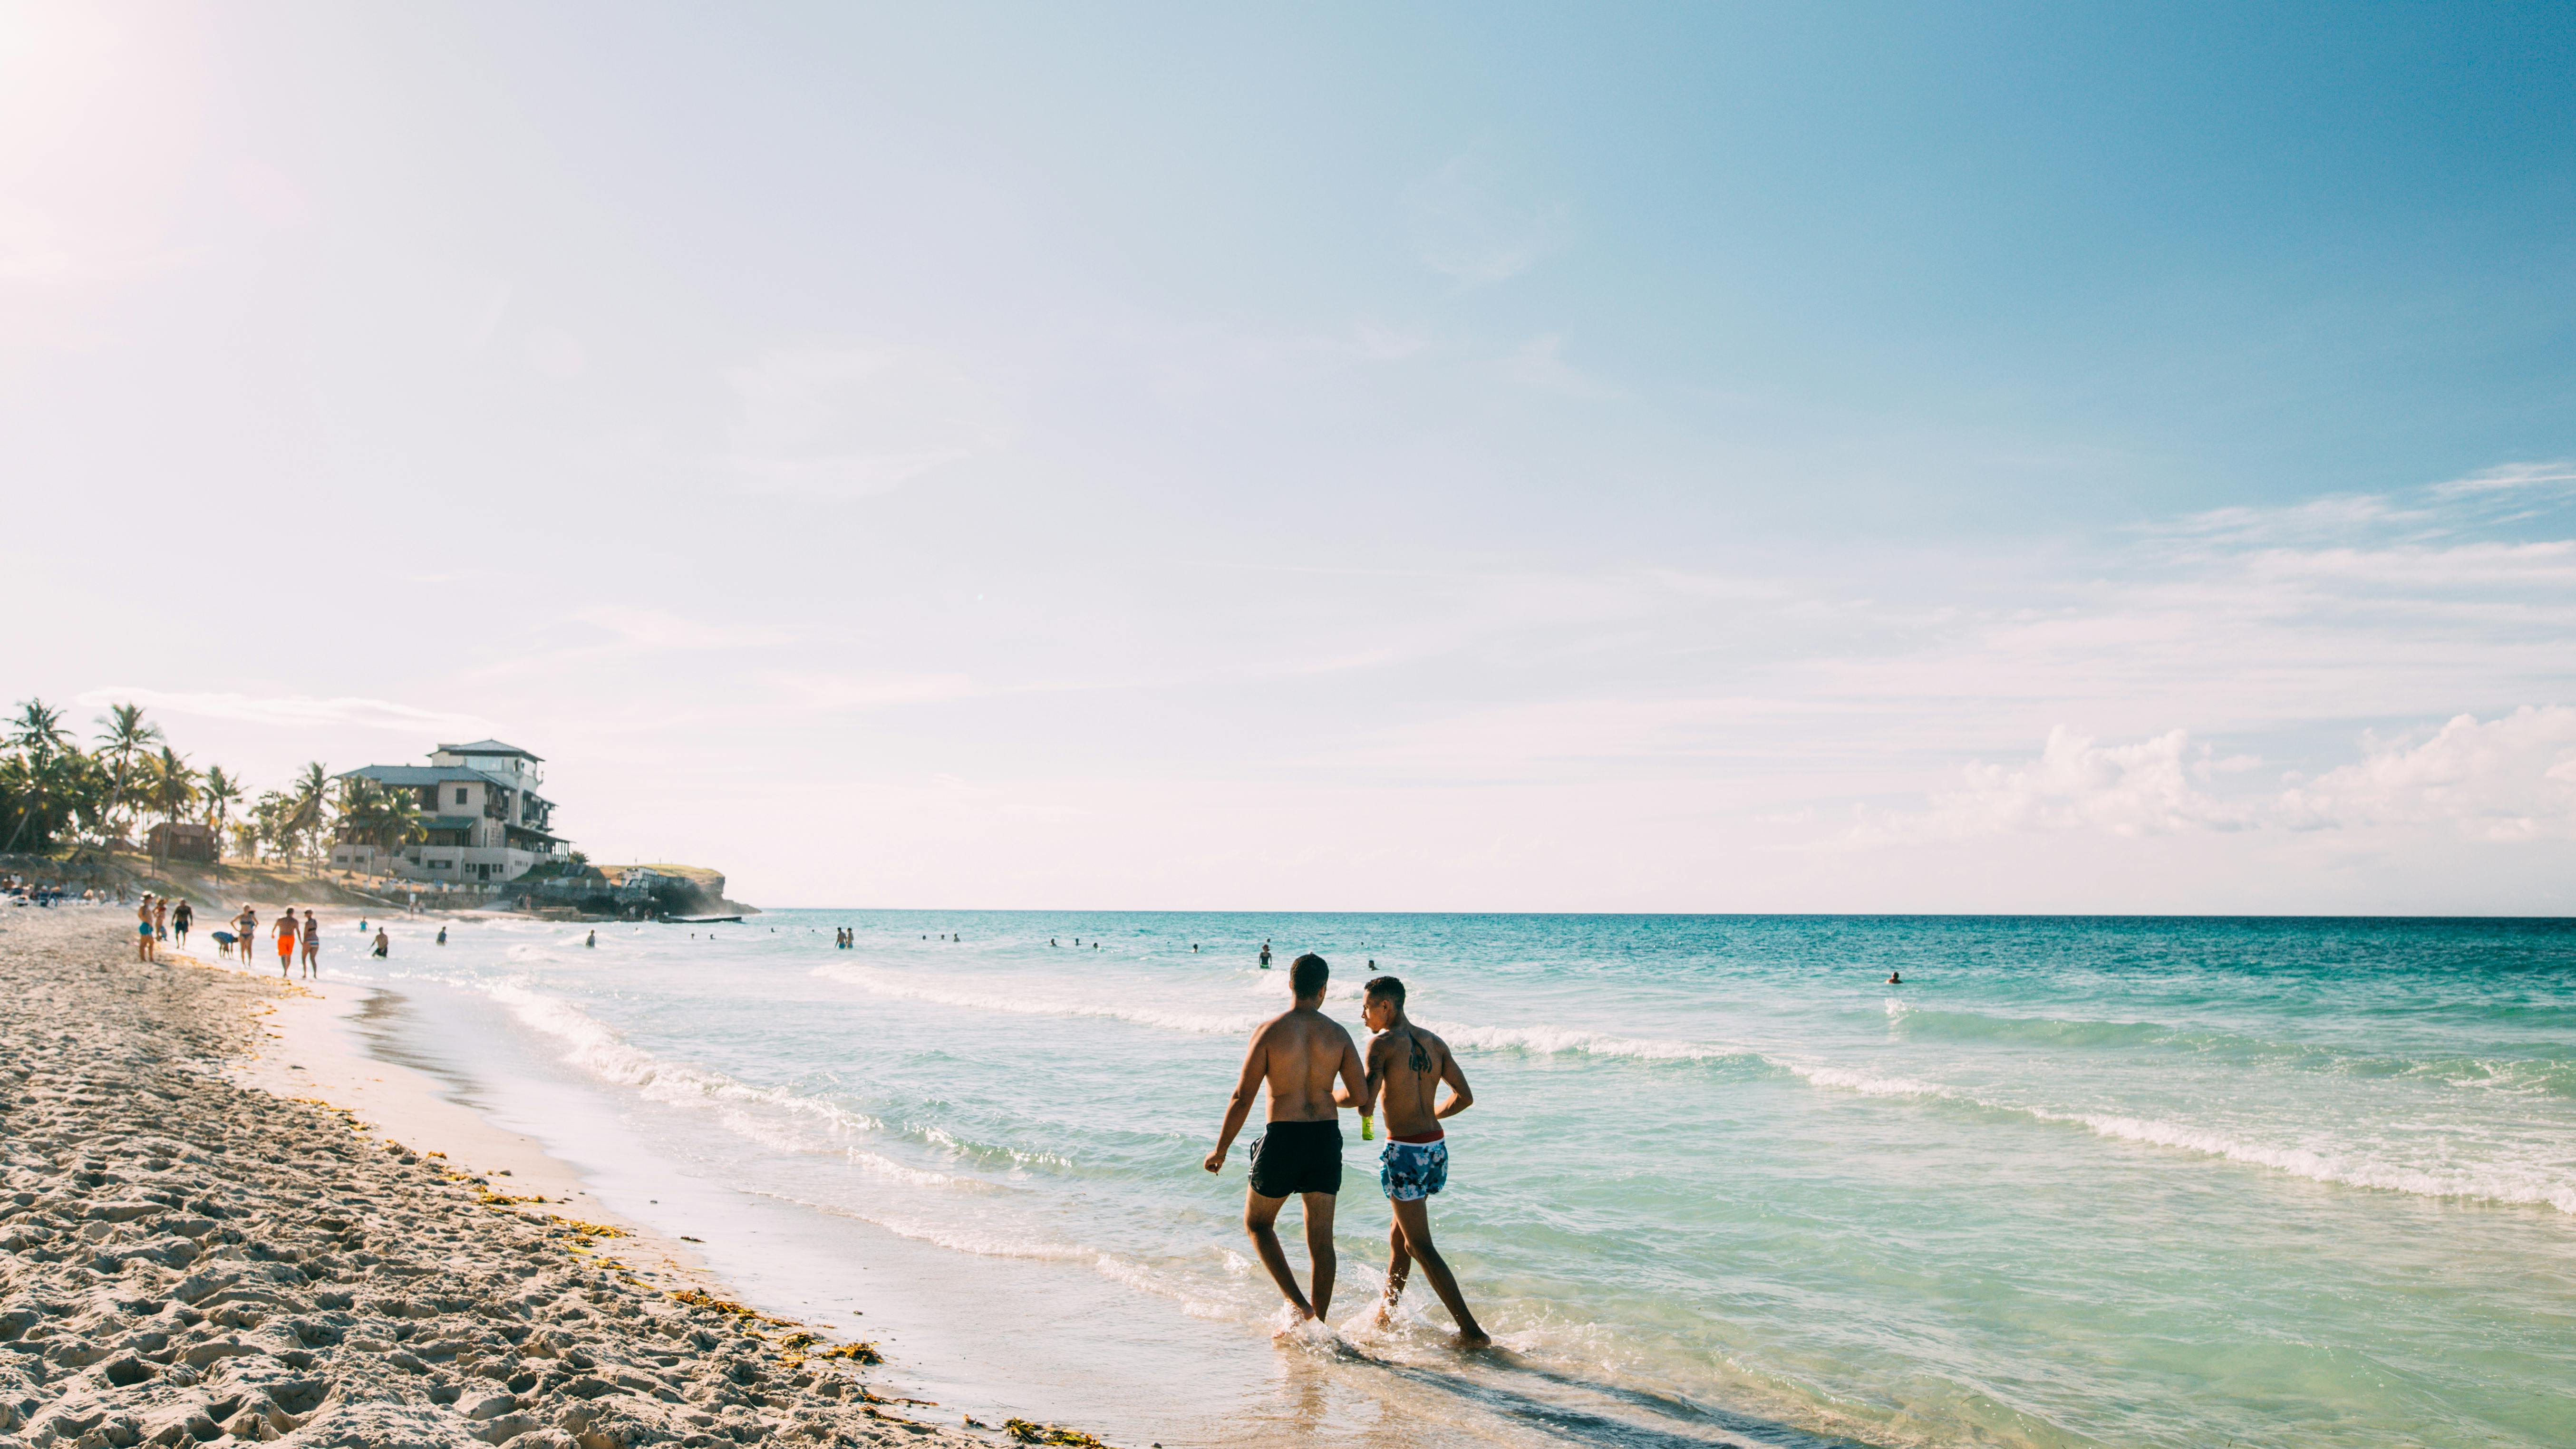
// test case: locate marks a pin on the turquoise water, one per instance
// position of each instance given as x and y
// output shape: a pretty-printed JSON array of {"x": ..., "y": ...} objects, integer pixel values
[{"x": 2118, "y": 1182}]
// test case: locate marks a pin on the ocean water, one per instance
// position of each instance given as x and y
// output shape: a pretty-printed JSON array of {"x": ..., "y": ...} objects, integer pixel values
[{"x": 2075, "y": 1182}]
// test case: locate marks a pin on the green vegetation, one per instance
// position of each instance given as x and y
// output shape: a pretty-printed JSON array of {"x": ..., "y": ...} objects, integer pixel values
[{"x": 56, "y": 797}]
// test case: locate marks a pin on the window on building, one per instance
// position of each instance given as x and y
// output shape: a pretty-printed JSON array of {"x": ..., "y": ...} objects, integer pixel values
[{"x": 460, "y": 794}]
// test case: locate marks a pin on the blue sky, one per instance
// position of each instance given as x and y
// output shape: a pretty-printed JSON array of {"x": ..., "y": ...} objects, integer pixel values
[{"x": 1443, "y": 457}]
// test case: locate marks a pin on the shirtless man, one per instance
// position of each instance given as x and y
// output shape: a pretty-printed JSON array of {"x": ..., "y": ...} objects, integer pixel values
[
  {"x": 1405, "y": 1068},
  {"x": 284, "y": 930},
  {"x": 1296, "y": 1054}
]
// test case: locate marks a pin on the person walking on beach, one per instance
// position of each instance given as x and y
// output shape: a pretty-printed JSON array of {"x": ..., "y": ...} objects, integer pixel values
[
  {"x": 246, "y": 930},
  {"x": 285, "y": 932},
  {"x": 1405, "y": 1068},
  {"x": 312, "y": 946},
  {"x": 143, "y": 931},
  {"x": 181, "y": 919},
  {"x": 1296, "y": 1055},
  {"x": 161, "y": 918}
]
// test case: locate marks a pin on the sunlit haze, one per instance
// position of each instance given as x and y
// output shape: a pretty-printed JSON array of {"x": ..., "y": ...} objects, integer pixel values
[{"x": 1681, "y": 458}]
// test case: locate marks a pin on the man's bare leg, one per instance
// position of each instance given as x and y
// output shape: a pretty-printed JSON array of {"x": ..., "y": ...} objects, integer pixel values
[
  {"x": 1399, "y": 1265},
  {"x": 1413, "y": 1224},
  {"x": 1319, "y": 1248},
  {"x": 1260, "y": 1216}
]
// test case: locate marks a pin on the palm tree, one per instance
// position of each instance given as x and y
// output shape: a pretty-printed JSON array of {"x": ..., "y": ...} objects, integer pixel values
[
  {"x": 38, "y": 730},
  {"x": 308, "y": 797},
  {"x": 89, "y": 793},
  {"x": 126, "y": 734},
  {"x": 388, "y": 819},
  {"x": 31, "y": 786},
  {"x": 270, "y": 819},
  {"x": 36, "y": 786},
  {"x": 170, "y": 787},
  {"x": 219, "y": 793}
]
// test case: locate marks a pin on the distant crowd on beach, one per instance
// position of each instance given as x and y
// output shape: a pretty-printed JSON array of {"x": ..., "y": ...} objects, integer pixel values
[
  {"x": 19, "y": 890},
  {"x": 166, "y": 920}
]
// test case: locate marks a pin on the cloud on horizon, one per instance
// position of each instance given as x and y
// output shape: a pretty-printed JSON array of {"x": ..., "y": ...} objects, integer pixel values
[
  {"x": 296, "y": 710},
  {"x": 2505, "y": 780}
]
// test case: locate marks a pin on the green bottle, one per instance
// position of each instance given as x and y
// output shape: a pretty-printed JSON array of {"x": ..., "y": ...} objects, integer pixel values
[{"x": 1368, "y": 1128}]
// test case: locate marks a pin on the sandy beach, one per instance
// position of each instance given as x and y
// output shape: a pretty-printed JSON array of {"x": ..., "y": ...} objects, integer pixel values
[{"x": 200, "y": 1237}]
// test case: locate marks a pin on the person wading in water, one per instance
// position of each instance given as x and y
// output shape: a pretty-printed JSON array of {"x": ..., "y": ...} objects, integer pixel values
[
  {"x": 1296, "y": 1055},
  {"x": 1406, "y": 1066}
]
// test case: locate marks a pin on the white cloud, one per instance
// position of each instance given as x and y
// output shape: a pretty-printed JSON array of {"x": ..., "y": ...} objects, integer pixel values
[
  {"x": 2130, "y": 790},
  {"x": 852, "y": 422},
  {"x": 2509, "y": 779},
  {"x": 2510, "y": 492},
  {"x": 2510, "y": 476},
  {"x": 1463, "y": 229},
  {"x": 2512, "y": 778},
  {"x": 1540, "y": 363},
  {"x": 297, "y": 711},
  {"x": 2338, "y": 516}
]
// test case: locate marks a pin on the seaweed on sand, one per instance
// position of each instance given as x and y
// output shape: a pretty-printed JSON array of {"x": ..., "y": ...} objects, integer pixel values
[{"x": 1029, "y": 1433}]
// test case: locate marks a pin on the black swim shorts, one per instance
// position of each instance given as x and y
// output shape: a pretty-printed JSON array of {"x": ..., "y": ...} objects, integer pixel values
[{"x": 1293, "y": 1157}]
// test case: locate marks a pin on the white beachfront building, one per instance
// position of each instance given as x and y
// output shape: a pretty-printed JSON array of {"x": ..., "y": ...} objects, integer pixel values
[{"x": 486, "y": 822}]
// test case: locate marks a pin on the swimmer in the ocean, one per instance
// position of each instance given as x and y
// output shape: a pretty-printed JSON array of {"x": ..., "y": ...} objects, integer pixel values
[{"x": 1895, "y": 978}]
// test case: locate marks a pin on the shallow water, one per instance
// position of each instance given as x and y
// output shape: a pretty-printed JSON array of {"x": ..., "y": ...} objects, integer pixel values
[{"x": 2123, "y": 1182}]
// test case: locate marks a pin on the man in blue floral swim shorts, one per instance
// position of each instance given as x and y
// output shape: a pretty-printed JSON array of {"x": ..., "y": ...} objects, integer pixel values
[{"x": 1405, "y": 1067}]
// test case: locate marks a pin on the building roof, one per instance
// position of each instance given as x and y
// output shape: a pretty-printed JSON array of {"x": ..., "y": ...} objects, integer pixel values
[
  {"x": 410, "y": 775},
  {"x": 418, "y": 774},
  {"x": 490, "y": 747}
]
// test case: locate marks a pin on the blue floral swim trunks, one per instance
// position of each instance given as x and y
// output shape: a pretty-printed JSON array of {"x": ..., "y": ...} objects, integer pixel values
[{"x": 1413, "y": 1171}]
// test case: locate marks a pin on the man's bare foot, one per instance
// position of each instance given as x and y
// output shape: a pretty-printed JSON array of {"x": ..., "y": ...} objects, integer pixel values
[
  {"x": 1294, "y": 1323},
  {"x": 1385, "y": 1318},
  {"x": 1476, "y": 1340}
]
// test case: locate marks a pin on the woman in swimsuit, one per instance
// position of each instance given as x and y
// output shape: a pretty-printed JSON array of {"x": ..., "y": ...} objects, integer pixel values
[{"x": 143, "y": 930}]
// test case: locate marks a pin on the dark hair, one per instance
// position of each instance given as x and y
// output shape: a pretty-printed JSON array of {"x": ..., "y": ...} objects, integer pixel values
[
  {"x": 1307, "y": 975},
  {"x": 1388, "y": 987}
]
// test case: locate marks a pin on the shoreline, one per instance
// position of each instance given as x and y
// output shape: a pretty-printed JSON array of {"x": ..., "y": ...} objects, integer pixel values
[
  {"x": 309, "y": 1051},
  {"x": 219, "y": 1213}
]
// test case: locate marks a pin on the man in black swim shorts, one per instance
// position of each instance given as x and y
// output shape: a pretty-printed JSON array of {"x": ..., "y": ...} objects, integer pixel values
[{"x": 1296, "y": 1054}]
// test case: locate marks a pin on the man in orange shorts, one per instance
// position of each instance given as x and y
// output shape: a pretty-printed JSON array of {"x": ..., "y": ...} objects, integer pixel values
[{"x": 286, "y": 933}]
